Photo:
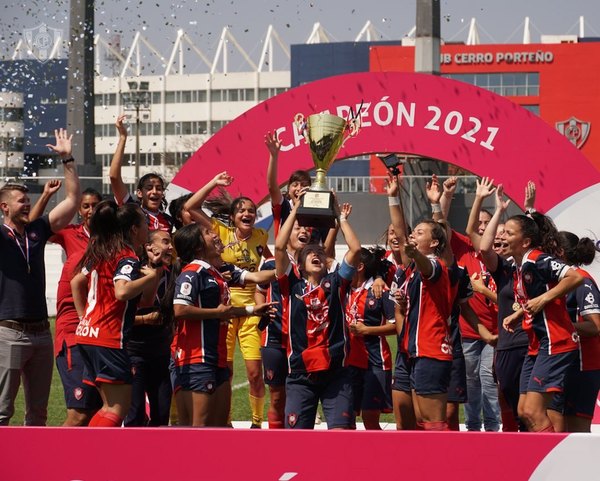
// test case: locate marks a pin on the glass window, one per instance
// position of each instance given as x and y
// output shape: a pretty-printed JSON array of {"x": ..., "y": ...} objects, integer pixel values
[
  {"x": 533, "y": 90},
  {"x": 249, "y": 95},
  {"x": 200, "y": 95},
  {"x": 169, "y": 97},
  {"x": 186, "y": 96},
  {"x": 535, "y": 109},
  {"x": 216, "y": 95},
  {"x": 533, "y": 79},
  {"x": 263, "y": 94},
  {"x": 156, "y": 97},
  {"x": 169, "y": 128},
  {"x": 495, "y": 80},
  {"x": 520, "y": 78},
  {"x": 234, "y": 95},
  {"x": 521, "y": 91}
]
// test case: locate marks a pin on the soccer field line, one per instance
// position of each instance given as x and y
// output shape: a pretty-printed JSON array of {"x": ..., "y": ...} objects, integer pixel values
[{"x": 235, "y": 387}]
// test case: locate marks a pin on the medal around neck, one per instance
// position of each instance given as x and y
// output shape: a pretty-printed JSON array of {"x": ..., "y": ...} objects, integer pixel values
[{"x": 325, "y": 135}]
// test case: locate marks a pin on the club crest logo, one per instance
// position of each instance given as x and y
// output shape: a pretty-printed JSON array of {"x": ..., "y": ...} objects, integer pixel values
[
  {"x": 577, "y": 131},
  {"x": 43, "y": 42},
  {"x": 528, "y": 277},
  {"x": 78, "y": 393},
  {"x": 270, "y": 374},
  {"x": 292, "y": 419}
]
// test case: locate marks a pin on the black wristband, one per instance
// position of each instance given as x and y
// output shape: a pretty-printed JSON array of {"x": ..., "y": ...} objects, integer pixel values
[{"x": 68, "y": 159}]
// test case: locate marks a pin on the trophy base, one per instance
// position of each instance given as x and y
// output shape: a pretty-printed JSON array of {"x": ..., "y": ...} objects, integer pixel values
[{"x": 316, "y": 210}]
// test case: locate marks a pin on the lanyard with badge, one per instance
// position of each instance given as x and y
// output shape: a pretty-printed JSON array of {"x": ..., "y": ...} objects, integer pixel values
[{"x": 24, "y": 249}]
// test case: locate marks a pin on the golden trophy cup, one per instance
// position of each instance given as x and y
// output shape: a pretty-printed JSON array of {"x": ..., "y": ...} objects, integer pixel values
[{"x": 325, "y": 135}]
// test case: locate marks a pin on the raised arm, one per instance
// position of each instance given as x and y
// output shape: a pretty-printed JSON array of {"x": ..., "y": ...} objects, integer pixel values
[
  {"x": 116, "y": 180},
  {"x": 274, "y": 146},
  {"x": 282, "y": 261},
  {"x": 434, "y": 194},
  {"x": 486, "y": 244},
  {"x": 529, "y": 202},
  {"x": 485, "y": 188},
  {"x": 422, "y": 262},
  {"x": 397, "y": 215},
  {"x": 449, "y": 187},
  {"x": 194, "y": 204},
  {"x": 50, "y": 188},
  {"x": 62, "y": 214},
  {"x": 352, "y": 257}
]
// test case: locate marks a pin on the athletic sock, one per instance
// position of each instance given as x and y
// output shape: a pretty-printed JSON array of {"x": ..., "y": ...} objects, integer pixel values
[
  {"x": 420, "y": 426},
  {"x": 435, "y": 426},
  {"x": 257, "y": 405},
  {"x": 105, "y": 419},
  {"x": 274, "y": 421}
]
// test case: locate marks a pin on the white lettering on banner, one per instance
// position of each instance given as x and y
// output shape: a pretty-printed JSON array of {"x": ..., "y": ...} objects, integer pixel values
[
  {"x": 486, "y": 58},
  {"x": 385, "y": 111}
]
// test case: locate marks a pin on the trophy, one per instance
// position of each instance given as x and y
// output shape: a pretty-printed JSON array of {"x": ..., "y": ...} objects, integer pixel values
[{"x": 325, "y": 135}]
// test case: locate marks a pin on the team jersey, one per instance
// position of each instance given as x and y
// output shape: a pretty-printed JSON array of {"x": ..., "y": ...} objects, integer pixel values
[
  {"x": 275, "y": 332},
  {"x": 202, "y": 341},
  {"x": 427, "y": 333},
  {"x": 466, "y": 256},
  {"x": 367, "y": 352},
  {"x": 318, "y": 337},
  {"x": 73, "y": 239},
  {"x": 583, "y": 301},
  {"x": 108, "y": 321},
  {"x": 389, "y": 266},
  {"x": 538, "y": 273},
  {"x": 245, "y": 254},
  {"x": 503, "y": 277},
  {"x": 461, "y": 291},
  {"x": 152, "y": 339},
  {"x": 156, "y": 220}
]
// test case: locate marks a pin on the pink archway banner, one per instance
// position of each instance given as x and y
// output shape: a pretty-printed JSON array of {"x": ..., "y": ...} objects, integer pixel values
[{"x": 401, "y": 112}]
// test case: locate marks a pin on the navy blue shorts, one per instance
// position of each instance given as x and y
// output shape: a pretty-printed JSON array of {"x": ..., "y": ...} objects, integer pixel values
[
  {"x": 401, "y": 379},
  {"x": 457, "y": 390},
  {"x": 200, "y": 377},
  {"x": 304, "y": 391},
  {"x": 105, "y": 364},
  {"x": 580, "y": 394},
  {"x": 549, "y": 372},
  {"x": 78, "y": 395},
  {"x": 372, "y": 389},
  {"x": 528, "y": 364},
  {"x": 507, "y": 366},
  {"x": 275, "y": 365},
  {"x": 430, "y": 376}
]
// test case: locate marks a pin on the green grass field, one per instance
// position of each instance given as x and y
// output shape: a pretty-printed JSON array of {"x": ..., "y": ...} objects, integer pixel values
[{"x": 240, "y": 405}]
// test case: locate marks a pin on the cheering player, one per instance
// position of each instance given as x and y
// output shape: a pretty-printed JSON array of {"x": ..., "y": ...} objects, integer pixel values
[
  {"x": 202, "y": 310},
  {"x": 114, "y": 281},
  {"x": 318, "y": 340}
]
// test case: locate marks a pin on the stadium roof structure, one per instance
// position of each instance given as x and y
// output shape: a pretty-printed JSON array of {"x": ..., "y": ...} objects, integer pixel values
[{"x": 187, "y": 57}]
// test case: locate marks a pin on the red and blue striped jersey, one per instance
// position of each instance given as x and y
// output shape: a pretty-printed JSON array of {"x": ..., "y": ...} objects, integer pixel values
[
  {"x": 318, "y": 337},
  {"x": 585, "y": 300},
  {"x": 426, "y": 333},
  {"x": 107, "y": 321},
  {"x": 368, "y": 352},
  {"x": 538, "y": 273},
  {"x": 202, "y": 341}
]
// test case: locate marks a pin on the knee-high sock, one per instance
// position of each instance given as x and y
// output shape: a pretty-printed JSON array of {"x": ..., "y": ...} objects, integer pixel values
[
  {"x": 435, "y": 426},
  {"x": 105, "y": 419},
  {"x": 257, "y": 405}
]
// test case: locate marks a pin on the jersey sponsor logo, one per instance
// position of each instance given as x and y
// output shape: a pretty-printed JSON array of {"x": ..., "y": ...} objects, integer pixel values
[
  {"x": 78, "y": 393},
  {"x": 590, "y": 299},
  {"x": 446, "y": 348},
  {"x": 185, "y": 289},
  {"x": 292, "y": 419},
  {"x": 317, "y": 313},
  {"x": 555, "y": 266},
  {"x": 85, "y": 330},
  {"x": 127, "y": 269}
]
